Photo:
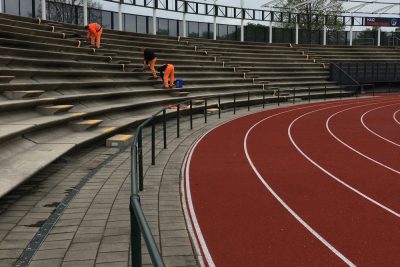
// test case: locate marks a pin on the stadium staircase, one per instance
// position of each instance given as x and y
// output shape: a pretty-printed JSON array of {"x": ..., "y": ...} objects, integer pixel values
[{"x": 58, "y": 93}]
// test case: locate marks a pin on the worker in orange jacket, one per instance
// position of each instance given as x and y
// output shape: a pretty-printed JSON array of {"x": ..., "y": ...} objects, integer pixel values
[
  {"x": 94, "y": 31},
  {"x": 167, "y": 71}
]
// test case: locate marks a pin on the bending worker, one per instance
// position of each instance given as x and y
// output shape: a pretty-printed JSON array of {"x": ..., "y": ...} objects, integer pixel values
[
  {"x": 149, "y": 60},
  {"x": 94, "y": 31},
  {"x": 169, "y": 70}
]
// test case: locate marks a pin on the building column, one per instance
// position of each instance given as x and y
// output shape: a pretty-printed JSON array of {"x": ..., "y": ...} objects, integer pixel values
[
  {"x": 297, "y": 33},
  {"x": 120, "y": 16},
  {"x": 154, "y": 32},
  {"x": 351, "y": 35},
  {"x": 184, "y": 25},
  {"x": 43, "y": 9},
  {"x": 1, "y": 6},
  {"x": 379, "y": 36},
  {"x": 85, "y": 12},
  {"x": 215, "y": 28},
  {"x": 270, "y": 32},
  {"x": 325, "y": 30},
  {"x": 242, "y": 22}
]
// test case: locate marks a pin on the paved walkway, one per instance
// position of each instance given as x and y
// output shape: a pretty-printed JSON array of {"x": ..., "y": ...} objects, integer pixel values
[{"x": 93, "y": 229}]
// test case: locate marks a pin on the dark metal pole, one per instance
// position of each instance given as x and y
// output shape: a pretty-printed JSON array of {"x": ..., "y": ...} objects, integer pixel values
[
  {"x": 248, "y": 100},
  {"x": 191, "y": 114},
  {"x": 234, "y": 104},
  {"x": 325, "y": 94},
  {"x": 140, "y": 158},
  {"x": 219, "y": 107},
  {"x": 263, "y": 97},
  {"x": 165, "y": 128},
  {"x": 309, "y": 94},
  {"x": 294, "y": 96},
  {"x": 136, "y": 237},
  {"x": 153, "y": 143},
  {"x": 178, "y": 120},
  {"x": 279, "y": 96},
  {"x": 205, "y": 110}
]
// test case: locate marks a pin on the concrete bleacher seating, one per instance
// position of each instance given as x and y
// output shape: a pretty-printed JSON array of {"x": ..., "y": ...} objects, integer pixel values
[{"x": 57, "y": 92}]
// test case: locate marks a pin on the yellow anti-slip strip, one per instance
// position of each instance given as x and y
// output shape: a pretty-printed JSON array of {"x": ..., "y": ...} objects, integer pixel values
[{"x": 120, "y": 137}]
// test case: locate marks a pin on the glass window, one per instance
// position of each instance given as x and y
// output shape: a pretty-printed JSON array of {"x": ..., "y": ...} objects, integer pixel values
[
  {"x": 211, "y": 31},
  {"x": 116, "y": 21},
  {"x": 106, "y": 19},
  {"x": 26, "y": 8},
  {"x": 222, "y": 32},
  {"x": 173, "y": 27},
  {"x": 203, "y": 30},
  {"x": 180, "y": 28},
  {"x": 141, "y": 24},
  {"x": 249, "y": 33},
  {"x": 163, "y": 27},
  {"x": 95, "y": 16},
  {"x": 11, "y": 7},
  {"x": 130, "y": 23},
  {"x": 193, "y": 30},
  {"x": 150, "y": 25}
]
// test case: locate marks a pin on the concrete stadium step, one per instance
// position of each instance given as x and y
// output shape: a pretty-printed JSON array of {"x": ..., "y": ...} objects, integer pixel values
[
  {"x": 53, "y": 110},
  {"x": 84, "y": 125},
  {"x": 14, "y": 95},
  {"x": 6, "y": 79}
]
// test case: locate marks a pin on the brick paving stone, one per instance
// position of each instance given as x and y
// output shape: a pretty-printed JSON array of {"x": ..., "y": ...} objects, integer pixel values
[
  {"x": 77, "y": 255},
  {"x": 111, "y": 256},
  {"x": 81, "y": 263},
  {"x": 49, "y": 254},
  {"x": 46, "y": 263},
  {"x": 64, "y": 244}
]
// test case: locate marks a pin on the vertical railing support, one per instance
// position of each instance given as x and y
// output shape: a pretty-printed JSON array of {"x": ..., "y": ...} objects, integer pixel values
[
  {"x": 309, "y": 94},
  {"x": 140, "y": 159},
  {"x": 205, "y": 110},
  {"x": 248, "y": 100},
  {"x": 219, "y": 107},
  {"x": 279, "y": 96},
  {"x": 191, "y": 114},
  {"x": 294, "y": 96},
  {"x": 178, "y": 117},
  {"x": 136, "y": 236},
  {"x": 263, "y": 97},
  {"x": 234, "y": 103},
  {"x": 165, "y": 128},
  {"x": 153, "y": 143},
  {"x": 325, "y": 93}
]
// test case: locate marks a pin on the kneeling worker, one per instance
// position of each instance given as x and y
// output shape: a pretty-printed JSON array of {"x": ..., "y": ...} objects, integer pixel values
[
  {"x": 94, "y": 31},
  {"x": 169, "y": 70}
]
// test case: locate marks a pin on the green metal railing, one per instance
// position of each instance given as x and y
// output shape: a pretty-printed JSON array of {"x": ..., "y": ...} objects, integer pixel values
[{"x": 139, "y": 225}]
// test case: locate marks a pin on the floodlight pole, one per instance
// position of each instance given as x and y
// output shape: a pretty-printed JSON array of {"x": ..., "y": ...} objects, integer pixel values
[
  {"x": 120, "y": 16},
  {"x": 85, "y": 12},
  {"x": 43, "y": 9},
  {"x": 242, "y": 21}
]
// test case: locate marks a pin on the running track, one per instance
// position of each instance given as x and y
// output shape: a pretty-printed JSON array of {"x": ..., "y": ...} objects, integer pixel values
[{"x": 308, "y": 185}]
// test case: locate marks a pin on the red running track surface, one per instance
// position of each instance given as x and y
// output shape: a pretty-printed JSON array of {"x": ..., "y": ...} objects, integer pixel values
[{"x": 284, "y": 210}]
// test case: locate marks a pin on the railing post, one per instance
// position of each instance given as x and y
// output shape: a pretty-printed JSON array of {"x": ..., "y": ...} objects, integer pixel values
[
  {"x": 153, "y": 142},
  {"x": 248, "y": 100},
  {"x": 234, "y": 103},
  {"x": 294, "y": 96},
  {"x": 191, "y": 114},
  {"x": 309, "y": 94},
  {"x": 205, "y": 110},
  {"x": 263, "y": 97},
  {"x": 136, "y": 236},
  {"x": 165, "y": 128},
  {"x": 140, "y": 158},
  {"x": 178, "y": 120},
  {"x": 325, "y": 94},
  {"x": 279, "y": 96},
  {"x": 219, "y": 107}
]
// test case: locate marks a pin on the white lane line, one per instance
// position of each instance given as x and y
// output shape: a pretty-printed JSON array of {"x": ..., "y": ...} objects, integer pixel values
[
  {"x": 198, "y": 235},
  {"x": 329, "y": 173},
  {"x": 373, "y": 132},
  {"x": 352, "y": 148},
  {"x": 395, "y": 115},
  {"x": 283, "y": 203}
]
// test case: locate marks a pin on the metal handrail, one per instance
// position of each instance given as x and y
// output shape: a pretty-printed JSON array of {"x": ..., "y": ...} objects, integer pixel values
[{"x": 139, "y": 223}]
